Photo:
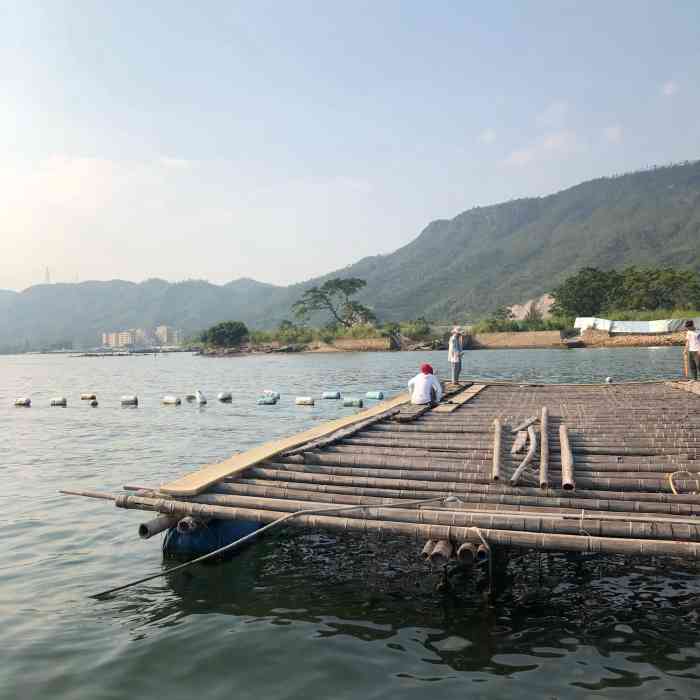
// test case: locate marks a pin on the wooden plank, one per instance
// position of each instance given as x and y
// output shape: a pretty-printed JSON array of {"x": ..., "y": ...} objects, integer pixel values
[
  {"x": 692, "y": 386},
  {"x": 197, "y": 481},
  {"x": 458, "y": 400}
]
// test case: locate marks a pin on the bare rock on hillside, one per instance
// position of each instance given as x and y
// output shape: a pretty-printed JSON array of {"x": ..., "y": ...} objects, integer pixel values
[{"x": 542, "y": 304}]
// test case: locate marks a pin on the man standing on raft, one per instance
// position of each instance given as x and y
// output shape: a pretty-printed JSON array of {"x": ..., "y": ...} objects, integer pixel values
[
  {"x": 454, "y": 353},
  {"x": 424, "y": 387},
  {"x": 692, "y": 347}
]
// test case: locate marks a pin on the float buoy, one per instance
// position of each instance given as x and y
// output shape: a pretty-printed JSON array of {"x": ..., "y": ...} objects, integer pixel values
[
  {"x": 330, "y": 395},
  {"x": 87, "y": 397},
  {"x": 59, "y": 401},
  {"x": 93, "y": 403},
  {"x": 274, "y": 394},
  {"x": 200, "y": 397},
  {"x": 352, "y": 401},
  {"x": 224, "y": 397},
  {"x": 378, "y": 395},
  {"x": 24, "y": 403},
  {"x": 190, "y": 398},
  {"x": 267, "y": 400},
  {"x": 304, "y": 401},
  {"x": 130, "y": 400},
  {"x": 171, "y": 401}
]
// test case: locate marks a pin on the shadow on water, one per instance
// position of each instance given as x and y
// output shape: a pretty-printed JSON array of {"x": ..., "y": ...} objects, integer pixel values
[{"x": 541, "y": 607}]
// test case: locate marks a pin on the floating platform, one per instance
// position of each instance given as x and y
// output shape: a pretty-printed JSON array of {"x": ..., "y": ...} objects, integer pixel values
[{"x": 602, "y": 468}]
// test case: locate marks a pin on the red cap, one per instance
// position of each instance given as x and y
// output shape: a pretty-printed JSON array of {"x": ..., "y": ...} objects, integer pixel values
[{"x": 426, "y": 368}]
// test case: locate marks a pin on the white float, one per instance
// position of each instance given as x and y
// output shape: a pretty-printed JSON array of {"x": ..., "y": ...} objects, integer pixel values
[
  {"x": 267, "y": 400},
  {"x": 93, "y": 403},
  {"x": 200, "y": 398},
  {"x": 171, "y": 400},
  {"x": 130, "y": 400},
  {"x": 377, "y": 395},
  {"x": 23, "y": 402},
  {"x": 225, "y": 396},
  {"x": 353, "y": 401},
  {"x": 88, "y": 397},
  {"x": 330, "y": 395},
  {"x": 59, "y": 401},
  {"x": 190, "y": 398},
  {"x": 269, "y": 392},
  {"x": 304, "y": 401}
]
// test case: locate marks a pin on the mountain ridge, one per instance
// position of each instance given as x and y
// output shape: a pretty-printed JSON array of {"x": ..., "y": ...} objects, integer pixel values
[{"x": 458, "y": 268}]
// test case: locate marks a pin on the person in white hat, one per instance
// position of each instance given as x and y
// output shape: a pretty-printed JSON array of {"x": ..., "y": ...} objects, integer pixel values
[{"x": 454, "y": 353}]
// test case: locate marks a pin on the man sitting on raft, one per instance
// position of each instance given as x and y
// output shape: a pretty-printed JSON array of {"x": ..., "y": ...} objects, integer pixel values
[{"x": 424, "y": 387}]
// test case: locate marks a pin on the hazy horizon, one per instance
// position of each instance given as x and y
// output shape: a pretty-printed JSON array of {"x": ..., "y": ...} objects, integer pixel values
[{"x": 280, "y": 143}]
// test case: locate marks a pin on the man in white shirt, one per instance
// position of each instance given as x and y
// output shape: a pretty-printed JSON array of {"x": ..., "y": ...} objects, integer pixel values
[
  {"x": 424, "y": 387},
  {"x": 692, "y": 347},
  {"x": 454, "y": 353}
]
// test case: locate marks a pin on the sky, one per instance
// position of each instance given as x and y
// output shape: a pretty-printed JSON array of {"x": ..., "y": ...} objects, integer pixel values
[{"x": 282, "y": 140}]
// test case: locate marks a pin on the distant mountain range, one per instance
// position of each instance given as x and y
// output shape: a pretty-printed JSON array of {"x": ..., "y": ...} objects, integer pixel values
[{"x": 455, "y": 269}]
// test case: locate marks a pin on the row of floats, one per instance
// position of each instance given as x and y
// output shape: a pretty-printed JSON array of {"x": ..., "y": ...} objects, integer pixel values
[{"x": 268, "y": 398}]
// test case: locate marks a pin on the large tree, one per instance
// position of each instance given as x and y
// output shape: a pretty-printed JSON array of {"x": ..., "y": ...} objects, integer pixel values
[{"x": 334, "y": 297}]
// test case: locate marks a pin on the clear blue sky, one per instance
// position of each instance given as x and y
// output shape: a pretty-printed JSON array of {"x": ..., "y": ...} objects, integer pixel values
[{"x": 283, "y": 140}]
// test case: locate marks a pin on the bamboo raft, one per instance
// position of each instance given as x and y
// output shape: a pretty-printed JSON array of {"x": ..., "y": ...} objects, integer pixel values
[{"x": 602, "y": 468}]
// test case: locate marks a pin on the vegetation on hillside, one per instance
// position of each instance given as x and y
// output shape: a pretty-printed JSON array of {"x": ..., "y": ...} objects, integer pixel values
[{"x": 595, "y": 292}]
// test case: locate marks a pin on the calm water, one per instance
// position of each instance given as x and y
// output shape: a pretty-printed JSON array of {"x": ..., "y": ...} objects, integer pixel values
[{"x": 298, "y": 615}]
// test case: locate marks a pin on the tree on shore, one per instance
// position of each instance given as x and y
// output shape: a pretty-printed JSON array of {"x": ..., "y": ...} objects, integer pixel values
[
  {"x": 334, "y": 297},
  {"x": 225, "y": 334},
  {"x": 591, "y": 292}
]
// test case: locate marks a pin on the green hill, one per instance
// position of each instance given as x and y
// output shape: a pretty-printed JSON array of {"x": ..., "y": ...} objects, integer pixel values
[{"x": 455, "y": 269}]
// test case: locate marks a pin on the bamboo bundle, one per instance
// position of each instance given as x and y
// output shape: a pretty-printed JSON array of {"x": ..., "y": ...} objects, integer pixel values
[
  {"x": 617, "y": 525},
  {"x": 452, "y": 533},
  {"x": 567, "y": 460},
  {"x": 408, "y": 485},
  {"x": 291, "y": 489}
]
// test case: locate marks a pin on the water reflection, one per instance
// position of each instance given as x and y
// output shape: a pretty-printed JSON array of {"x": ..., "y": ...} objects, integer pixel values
[{"x": 633, "y": 614}]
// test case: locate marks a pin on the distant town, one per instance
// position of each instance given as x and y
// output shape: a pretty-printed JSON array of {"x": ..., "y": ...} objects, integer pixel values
[{"x": 161, "y": 336}]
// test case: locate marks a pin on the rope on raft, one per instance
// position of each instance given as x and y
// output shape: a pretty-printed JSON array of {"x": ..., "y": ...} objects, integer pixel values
[{"x": 678, "y": 473}]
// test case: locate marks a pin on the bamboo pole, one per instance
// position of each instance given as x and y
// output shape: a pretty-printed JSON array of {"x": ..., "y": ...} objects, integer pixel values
[
  {"x": 519, "y": 442},
  {"x": 455, "y": 534},
  {"x": 466, "y": 553},
  {"x": 525, "y": 424},
  {"x": 427, "y": 549},
  {"x": 496, "y": 465},
  {"x": 567, "y": 460},
  {"x": 544, "y": 448},
  {"x": 155, "y": 526},
  {"x": 442, "y": 553},
  {"x": 528, "y": 457}
]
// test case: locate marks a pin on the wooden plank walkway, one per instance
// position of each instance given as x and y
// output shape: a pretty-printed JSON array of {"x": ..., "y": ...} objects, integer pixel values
[
  {"x": 452, "y": 404},
  {"x": 197, "y": 481}
]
